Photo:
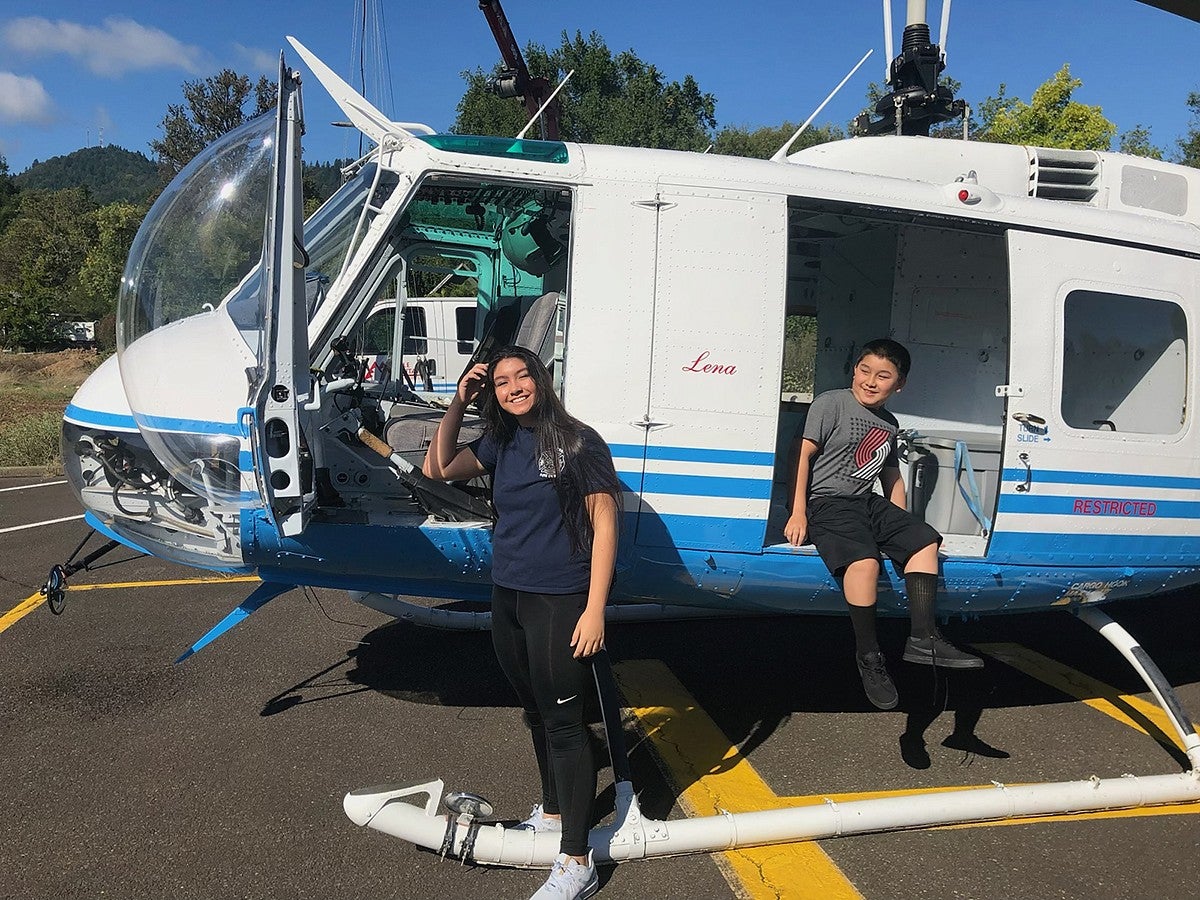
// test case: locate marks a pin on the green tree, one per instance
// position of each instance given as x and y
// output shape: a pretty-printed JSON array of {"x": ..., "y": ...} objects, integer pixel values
[
  {"x": 1136, "y": 142},
  {"x": 41, "y": 253},
  {"x": 100, "y": 275},
  {"x": 211, "y": 108},
  {"x": 611, "y": 99},
  {"x": 1189, "y": 144},
  {"x": 1050, "y": 119},
  {"x": 763, "y": 142},
  {"x": 8, "y": 195}
]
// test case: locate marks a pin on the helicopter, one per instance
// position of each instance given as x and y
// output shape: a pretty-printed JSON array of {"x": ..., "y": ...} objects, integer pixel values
[{"x": 1045, "y": 296}]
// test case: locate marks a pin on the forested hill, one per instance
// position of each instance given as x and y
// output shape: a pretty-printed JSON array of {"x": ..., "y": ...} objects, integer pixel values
[
  {"x": 114, "y": 173},
  {"x": 109, "y": 173}
]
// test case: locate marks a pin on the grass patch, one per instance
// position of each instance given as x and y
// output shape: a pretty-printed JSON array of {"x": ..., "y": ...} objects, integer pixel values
[
  {"x": 32, "y": 441},
  {"x": 35, "y": 389}
]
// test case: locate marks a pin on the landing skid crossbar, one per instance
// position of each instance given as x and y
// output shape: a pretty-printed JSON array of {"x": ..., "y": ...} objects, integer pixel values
[{"x": 633, "y": 837}]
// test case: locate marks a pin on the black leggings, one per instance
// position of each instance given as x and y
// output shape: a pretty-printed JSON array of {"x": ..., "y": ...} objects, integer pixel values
[{"x": 532, "y": 637}]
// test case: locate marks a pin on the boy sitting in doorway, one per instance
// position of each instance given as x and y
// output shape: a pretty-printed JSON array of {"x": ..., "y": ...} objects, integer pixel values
[{"x": 849, "y": 441}]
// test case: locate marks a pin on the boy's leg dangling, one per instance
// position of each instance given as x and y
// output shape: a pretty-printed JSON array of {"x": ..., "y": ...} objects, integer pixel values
[
  {"x": 859, "y": 587},
  {"x": 925, "y": 645}
]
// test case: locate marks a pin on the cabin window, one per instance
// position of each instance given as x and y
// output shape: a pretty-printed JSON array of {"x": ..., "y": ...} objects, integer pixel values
[
  {"x": 415, "y": 331},
  {"x": 377, "y": 336},
  {"x": 464, "y": 329},
  {"x": 1124, "y": 363}
]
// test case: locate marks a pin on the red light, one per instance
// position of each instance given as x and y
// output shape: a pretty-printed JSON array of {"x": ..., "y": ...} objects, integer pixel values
[{"x": 964, "y": 195}]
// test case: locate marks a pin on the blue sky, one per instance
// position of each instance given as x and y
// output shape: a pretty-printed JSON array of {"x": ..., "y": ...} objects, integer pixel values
[{"x": 71, "y": 68}]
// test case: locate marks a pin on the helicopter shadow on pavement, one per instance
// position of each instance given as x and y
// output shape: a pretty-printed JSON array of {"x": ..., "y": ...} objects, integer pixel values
[{"x": 752, "y": 675}]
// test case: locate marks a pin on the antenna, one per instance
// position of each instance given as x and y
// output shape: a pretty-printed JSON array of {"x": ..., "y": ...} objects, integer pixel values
[
  {"x": 782, "y": 151},
  {"x": 542, "y": 109},
  {"x": 887, "y": 41},
  {"x": 945, "y": 27}
]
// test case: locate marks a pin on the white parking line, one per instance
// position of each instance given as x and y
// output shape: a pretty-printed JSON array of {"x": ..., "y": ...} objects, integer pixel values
[
  {"x": 25, "y": 487},
  {"x": 40, "y": 524}
]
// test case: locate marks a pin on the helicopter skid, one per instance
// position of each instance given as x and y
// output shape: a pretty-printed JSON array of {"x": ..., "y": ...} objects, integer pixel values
[
  {"x": 386, "y": 809},
  {"x": 632, "y": 836}
]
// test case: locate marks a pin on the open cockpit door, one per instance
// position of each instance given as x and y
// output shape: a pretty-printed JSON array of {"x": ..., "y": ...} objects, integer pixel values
[{"x": 284, "y": 384}]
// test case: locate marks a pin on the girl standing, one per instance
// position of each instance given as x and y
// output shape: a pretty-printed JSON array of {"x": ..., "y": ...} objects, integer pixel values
[{"x": 554, "y": 546}]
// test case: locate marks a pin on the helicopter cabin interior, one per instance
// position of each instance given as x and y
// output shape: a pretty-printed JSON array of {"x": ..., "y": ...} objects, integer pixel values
[
  {"x": 858, "y": 274},
  {"x": 501, "y": 244}
]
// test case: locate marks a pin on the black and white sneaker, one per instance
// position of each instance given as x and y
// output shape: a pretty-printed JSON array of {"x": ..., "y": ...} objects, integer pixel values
[
  {"x": 937, "y": 651},
  {"x": 876, "y": 680}
]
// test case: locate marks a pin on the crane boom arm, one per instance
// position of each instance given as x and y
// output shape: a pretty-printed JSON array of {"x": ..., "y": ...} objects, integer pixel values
[{"x": 532, "y": 91}]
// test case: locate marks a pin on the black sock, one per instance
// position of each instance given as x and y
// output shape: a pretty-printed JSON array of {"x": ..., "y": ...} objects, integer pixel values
[
  {"x": 922, "y": 601},
  {"x": 863, "y": 620}
]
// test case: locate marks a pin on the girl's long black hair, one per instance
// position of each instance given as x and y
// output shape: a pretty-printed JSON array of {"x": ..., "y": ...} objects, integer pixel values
[{"x": 583, "y": 466}]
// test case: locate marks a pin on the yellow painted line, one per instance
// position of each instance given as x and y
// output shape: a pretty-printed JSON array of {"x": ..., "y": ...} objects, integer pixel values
[
  {"x": 713, "y": 777},
  {"x": 33, "y": 601},
  {"x": 232, "y": 579},
  {"x": 21, "y": 610},
  {"x": 1125, "y": 708}
]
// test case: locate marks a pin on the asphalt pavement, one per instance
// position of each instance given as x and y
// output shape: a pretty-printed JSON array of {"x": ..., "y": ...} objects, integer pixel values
[{"x": 125, "y": 775}]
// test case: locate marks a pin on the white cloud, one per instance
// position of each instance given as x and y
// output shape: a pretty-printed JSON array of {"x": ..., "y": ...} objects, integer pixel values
[
  {"x": 120, "y": 46},
  {"x": 24, "y": 100},
  {"x": 261, "y": 61}
]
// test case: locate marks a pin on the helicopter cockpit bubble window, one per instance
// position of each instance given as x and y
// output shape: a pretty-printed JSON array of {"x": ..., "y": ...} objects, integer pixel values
[
  {"x": 178, "y": 353},
  {"x": 203, "y": 235}
]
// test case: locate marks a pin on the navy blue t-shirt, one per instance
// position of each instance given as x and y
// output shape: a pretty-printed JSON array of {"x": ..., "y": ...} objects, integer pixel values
[{"x": 531, "y": 550}]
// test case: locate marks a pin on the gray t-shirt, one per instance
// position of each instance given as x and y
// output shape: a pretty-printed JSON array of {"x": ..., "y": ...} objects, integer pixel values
[{"x": 856, "y": 444}]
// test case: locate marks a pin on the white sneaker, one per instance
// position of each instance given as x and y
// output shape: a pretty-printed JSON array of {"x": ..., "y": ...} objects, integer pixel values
[
  {"x": 569, "y": 880},
  {"x": 539, "y": 821}
]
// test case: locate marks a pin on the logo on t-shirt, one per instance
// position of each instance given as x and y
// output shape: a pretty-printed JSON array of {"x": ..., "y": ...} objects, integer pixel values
[
  {"x": 546, "y": 467},
  {"x": 871, "y": 454}
]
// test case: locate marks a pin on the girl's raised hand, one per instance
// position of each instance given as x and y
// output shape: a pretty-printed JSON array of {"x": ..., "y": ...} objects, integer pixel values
[{"x": 472, "y": 383}]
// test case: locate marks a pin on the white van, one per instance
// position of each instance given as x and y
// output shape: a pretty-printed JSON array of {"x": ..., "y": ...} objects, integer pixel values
[{"x": 438, "y": 340}]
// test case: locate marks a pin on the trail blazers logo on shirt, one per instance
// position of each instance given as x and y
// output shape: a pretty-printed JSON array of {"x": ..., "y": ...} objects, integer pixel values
[{"x": 871, "y": 454}]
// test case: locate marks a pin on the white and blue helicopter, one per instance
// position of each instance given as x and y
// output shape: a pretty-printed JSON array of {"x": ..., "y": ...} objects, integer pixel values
[{"x": 1050, "y": 299}]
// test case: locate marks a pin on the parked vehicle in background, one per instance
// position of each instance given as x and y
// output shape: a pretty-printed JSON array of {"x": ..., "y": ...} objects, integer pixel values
[
  {"x": 436, "y": 342},
  {"x": 75, "y": 333}
]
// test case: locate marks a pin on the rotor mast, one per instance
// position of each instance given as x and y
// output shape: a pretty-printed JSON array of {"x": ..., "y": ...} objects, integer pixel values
[{"x": 916, "y": 101}]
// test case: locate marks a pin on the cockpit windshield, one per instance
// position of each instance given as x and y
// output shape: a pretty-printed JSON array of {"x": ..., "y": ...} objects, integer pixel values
[{"x": 327, "y": 236}]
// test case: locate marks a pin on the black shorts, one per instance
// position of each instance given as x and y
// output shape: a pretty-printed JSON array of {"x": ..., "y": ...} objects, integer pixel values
[{"x": 846, "y": 529}]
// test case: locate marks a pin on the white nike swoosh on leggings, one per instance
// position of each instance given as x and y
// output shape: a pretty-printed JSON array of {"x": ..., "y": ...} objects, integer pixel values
[{"x": 563, "y": 700}]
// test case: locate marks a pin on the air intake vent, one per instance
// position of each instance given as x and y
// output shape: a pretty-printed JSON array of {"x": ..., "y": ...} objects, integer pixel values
[{"x": 1070, "y": 175}]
